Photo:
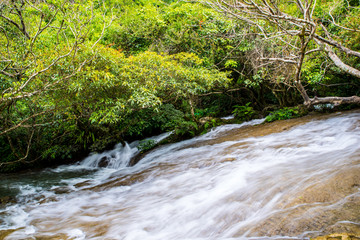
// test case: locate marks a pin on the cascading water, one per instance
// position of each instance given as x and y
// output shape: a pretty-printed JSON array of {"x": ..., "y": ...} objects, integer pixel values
[
  {"x": 116, "y": 158},
  {"x": 288, "y": 179},
  {"x": 120, "y": 156}
]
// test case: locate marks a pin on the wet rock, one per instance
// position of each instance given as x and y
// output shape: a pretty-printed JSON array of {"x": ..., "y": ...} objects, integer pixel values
[
  {"x": 104, "y": 162},
  {"x": 82, "y": 184},
  {"x": 338, "y": 236},
  {"x": 121, "y": 181},
  {"x": 5, "y": 233},
  {"x": 347, "y": 226},
  {"x": 205, "y": 119},
  {"x": 333, "y": 189},
  {"x": 229, "y": 159},
  {"x": 47, "y": 200},
  {"x": 329, "y": 204},
  {"x": 54, "y": 237},
  {"x": 62, "y": 190},
  {"x": 135, "y": 159},
  {"x": 7, "y": 199}
]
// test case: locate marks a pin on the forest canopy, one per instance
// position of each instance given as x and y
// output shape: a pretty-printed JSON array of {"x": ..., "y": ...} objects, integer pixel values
[{"x": 80, "y": 76}]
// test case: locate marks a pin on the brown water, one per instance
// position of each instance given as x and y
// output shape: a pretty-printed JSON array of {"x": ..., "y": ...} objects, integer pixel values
[{"x": 285, "y": 180}]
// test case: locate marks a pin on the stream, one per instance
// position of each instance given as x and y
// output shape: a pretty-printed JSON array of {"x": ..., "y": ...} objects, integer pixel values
[{"x": 292, "y": 179}]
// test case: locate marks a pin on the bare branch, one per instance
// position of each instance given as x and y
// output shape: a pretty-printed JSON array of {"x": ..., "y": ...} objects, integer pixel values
[
  {"x": 340, "y": 64},
  {"x": 7, "y": 40},
  {"x": 16, "y": 25},
  {"x": 338, "y": 25},
  {"x": 22, "y": 122},
  {"x": 7, "y": 74},
  {"x": 105, "y": 26},
  {"x": 46, "y": 68},
  {"x": 337, "y": 45},
  {"x": 279, "y": 60},
  {"x": 313, "y": 50}
]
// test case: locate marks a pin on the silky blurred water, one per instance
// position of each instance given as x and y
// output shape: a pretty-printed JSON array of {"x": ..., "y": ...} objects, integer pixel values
[{"x": 249, "y": 181}]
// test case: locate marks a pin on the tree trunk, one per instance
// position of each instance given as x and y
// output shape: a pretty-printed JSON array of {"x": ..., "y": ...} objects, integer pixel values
[
  {"x": 333, "y": 100},
  {"x": 192, "y": 108},
  {"x": 303, "y": 92}
]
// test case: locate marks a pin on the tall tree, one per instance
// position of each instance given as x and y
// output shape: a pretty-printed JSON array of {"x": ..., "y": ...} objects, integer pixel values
[
  {"x": 299, "y": 29},
  {"x": 40, "y": 42}
]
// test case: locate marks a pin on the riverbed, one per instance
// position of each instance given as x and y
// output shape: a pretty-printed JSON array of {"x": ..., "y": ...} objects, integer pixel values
[{"x": 291, "y": 179}]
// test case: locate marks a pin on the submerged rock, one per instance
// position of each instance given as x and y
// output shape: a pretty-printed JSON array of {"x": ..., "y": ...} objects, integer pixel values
[
  {"x": 328, "y": 204},
  {"x": 7, "y": 199},
  {"x": 330, "y": 189},
  {"x": 62, "y": 190}
]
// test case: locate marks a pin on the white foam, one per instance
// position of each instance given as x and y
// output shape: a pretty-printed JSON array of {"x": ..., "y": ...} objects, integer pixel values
[{"x": 76, "y": 234}]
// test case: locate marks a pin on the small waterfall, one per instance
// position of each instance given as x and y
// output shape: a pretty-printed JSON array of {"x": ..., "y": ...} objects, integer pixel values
[
  {"x": 120, "y": 156},
  {"x": 117, "y": 158}
]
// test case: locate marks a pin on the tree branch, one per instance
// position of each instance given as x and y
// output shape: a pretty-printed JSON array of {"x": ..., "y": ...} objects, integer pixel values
[{"x": 340, "y": 64}]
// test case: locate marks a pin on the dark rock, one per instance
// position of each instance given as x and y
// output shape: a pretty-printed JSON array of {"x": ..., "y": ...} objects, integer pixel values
[
  {"x": 62, "y": 190},
  {"x": 104, "y": 162},
  {"x": 7, "y": 199},
  {"x": 82, "y": 184}
]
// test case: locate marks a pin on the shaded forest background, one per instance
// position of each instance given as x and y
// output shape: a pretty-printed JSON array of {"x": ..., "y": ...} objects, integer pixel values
[{"x": 80, "y": 76}]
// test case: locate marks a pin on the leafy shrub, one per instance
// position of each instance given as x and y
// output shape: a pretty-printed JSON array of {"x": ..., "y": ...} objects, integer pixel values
[
  {"x": 209, "y": 111},
  {"x": 213, "y": 123},
  {"x": 210, "y": 124},
  {"x": 146, "y": 145},
  {"x": 244, "y": 112},
  {"x": 186, "y": 129},
  {"x": 284, "y": 113}
]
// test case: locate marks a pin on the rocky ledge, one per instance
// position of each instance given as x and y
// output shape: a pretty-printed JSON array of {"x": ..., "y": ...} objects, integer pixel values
[{"x": 338, "y": 236}]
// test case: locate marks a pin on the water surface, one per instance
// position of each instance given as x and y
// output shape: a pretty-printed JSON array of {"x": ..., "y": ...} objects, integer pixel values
[{"x": 289, "y": 179}]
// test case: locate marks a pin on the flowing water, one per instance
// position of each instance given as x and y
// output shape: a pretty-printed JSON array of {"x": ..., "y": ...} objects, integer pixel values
[{"x": 285, "y": 180}]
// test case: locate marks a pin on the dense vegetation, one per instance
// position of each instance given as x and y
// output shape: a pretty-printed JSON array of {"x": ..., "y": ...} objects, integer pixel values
[{"x": 79, "y": 76}]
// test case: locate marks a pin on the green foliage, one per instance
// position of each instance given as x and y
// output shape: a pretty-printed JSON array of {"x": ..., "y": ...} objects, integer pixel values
[
  {"x": 244, "y": 113},
  {"x": 186, "y": 129},
  {"x": 146, "y": 145},
  {"x": 231, "y": 64},
  {"x": 118, "y": 85},
  {"x": 75, "y": 86},
  {"x": 210, "y": 124},
  {"x": 6, "y": 155},
  {"x": 173, "y": 28},
  {"x": 148, "y": 122},
  {"x": 140, "y": 27},
  {"x": 57, "y": 151},
  {"x": 80, "y": 86},
  {"x": 284, "y": 113},
  {"x": 211, "y": 111}
]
